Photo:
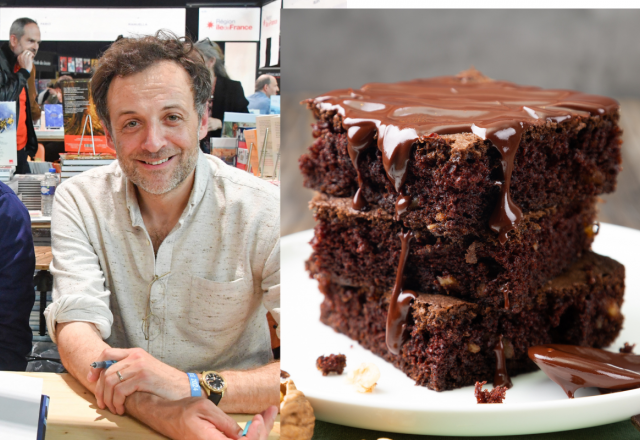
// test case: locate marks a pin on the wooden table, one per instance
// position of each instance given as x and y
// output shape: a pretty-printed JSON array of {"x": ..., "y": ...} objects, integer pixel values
[{"x": 74, "y": 414}]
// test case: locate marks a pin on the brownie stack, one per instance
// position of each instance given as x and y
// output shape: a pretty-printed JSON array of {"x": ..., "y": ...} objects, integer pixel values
[{"x": 493, "y": 187}]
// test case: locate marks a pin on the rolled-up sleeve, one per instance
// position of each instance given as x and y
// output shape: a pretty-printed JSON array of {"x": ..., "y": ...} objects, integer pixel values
[
  {"x": 271, "y": 279},
  {"x": 79, "y": 292}
]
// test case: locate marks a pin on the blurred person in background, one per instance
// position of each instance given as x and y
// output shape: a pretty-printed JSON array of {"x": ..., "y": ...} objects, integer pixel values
[
  {"x": 17, "y": 265},
  {"x": 266, "y": 85},
  {"x": 16, "y": 72},
  {"x": 227, "y": 95}
]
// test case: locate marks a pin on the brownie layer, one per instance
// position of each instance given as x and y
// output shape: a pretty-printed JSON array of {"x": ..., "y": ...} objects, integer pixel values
[
  {"x": 451, "y": 341},
  {"x": 363, "y": 249},
  {"x": 453, "y": 181}
]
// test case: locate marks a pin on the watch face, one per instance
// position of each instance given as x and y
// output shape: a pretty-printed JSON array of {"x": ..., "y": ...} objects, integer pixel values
[{"x": 215, "y": 381}]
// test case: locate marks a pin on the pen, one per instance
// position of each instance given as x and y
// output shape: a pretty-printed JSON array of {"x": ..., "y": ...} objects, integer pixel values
[
  {"x": 103, "y": 364},
  {"x": 246, "y": 428}
]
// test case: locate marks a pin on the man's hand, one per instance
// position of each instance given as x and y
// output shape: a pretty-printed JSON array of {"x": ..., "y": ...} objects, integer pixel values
[
  {"x": 140, "y": 372},
  {"x": 25, "y": 60},
  {"x": 214, "y": 124},
  {"x": 200, "y": 419}
]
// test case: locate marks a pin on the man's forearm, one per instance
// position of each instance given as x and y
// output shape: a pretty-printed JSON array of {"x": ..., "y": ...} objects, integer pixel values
[
  {"x": 253, "y": 391},
  {"x": 79, "y": 344}
]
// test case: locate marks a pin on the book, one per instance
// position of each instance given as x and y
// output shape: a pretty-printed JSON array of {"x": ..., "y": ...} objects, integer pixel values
[
  {"x": 81, "y": 120},
  {"x": 78, "y": 65},
  {"x": 62, "y": 64},
  {"x": 86, "y": 159},
  {"x": 8, "y": 134},
  {"x": 251, "y": 138},
  {"x": 53, "y": 115},
  {"x": 42, "y": 420},
  {"x": 225, "y": 149},
  {"x": 234, "y": 122}
]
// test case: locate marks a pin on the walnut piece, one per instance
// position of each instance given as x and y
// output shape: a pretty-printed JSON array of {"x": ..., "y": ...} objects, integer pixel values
[
  {"x": 364, "y": 378},
  {"x": 334, "y": 363},
  {"x": 297, "y": 420}
]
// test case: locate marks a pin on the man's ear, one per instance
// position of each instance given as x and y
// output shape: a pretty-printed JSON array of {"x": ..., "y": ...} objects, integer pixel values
[
  {"x": 203, "y": 129},
  {"x": 107, "y": 134},
  {"x": 13, "y": 41}
]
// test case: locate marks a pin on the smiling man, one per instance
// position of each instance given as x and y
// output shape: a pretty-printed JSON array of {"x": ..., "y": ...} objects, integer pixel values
[
  {"x": 16, "y": 71},
  {"x": 167, "y": 260}
]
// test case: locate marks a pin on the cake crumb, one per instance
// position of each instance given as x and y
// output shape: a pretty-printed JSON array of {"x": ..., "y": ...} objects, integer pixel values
[
  {"x": 627, "y": 348},
  {"x": 496, "y": 395},
  {"x": 334, "y": 363}
]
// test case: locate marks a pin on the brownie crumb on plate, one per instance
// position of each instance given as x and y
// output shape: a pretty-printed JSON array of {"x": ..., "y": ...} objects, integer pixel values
[{"x": 334, "y": 363}]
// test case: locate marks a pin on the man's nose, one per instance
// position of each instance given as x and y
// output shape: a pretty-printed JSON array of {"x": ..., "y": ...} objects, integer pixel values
[{"x": 154, "y": 140}]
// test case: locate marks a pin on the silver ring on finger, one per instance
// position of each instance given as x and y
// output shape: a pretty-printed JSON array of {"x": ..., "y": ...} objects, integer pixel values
[{"x": 119, "y": 376}]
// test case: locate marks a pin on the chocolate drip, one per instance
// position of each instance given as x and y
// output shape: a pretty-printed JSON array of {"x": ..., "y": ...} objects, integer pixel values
[
  {"x": 402, "y": 204},
  {"x": 359, "y": 138},
  {"x": 501, "y": 377},
  {"x": 400, "y": 301},
  {"x": 406, "y": 113},
  {"x": 574, "y": 367},
  {"x": 506, "y": 215}
]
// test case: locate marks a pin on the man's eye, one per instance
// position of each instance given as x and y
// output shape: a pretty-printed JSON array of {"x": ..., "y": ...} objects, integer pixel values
[
  {"x": 173, "y": 118},
  {"x": 131, "y": 124}
]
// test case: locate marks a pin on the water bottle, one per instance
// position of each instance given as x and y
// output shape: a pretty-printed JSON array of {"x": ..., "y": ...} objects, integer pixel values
[{"x": 47, "y": 190}]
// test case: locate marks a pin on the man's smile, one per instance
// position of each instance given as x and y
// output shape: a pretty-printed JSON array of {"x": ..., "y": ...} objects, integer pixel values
[{"x": 156, "y": 164}]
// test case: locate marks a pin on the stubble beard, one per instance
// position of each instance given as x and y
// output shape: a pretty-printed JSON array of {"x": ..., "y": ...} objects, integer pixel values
[{"x": 187, "y": 160}]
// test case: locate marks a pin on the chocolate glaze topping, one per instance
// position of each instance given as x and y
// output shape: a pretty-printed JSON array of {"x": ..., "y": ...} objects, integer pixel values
[
  {"x": 400, "y": 302},
  {"x": 574, "y": 367},
  {"x": 396, "y": 116},
  {"x": 501, "y": 377}
]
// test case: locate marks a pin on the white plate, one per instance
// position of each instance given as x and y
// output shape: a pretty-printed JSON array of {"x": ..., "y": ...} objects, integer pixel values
[{"x": 535, "y": 404}]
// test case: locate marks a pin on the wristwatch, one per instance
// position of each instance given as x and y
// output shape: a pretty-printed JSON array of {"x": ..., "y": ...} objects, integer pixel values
[{"x": 214, "y": 385}]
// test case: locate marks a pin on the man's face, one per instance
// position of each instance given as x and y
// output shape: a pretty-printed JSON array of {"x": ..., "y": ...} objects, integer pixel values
[
  {"x": 29, "y": 41},
  {"x": 272, "y": 87},
  {"x": 154, "y": 126}
]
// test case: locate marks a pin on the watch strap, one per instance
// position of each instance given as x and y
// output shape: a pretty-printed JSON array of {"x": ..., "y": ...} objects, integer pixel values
[{"x": 215, "y": 398}]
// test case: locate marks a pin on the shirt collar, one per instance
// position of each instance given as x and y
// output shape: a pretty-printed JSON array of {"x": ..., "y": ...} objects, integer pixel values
[{"x": 202, "y": 174}]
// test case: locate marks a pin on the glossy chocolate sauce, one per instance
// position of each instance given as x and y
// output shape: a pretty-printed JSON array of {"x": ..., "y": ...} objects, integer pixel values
[
  {"x": 400, "y": 301},
  {"x": 574, "y": 367},
  {"x": 501, "y": 377},
  {"x": 396, "y": 116}
]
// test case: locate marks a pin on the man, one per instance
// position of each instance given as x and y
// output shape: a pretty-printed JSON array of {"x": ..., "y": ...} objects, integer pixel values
[
  {"x": 266, "y": 85},
  {"x": 168, "y": 250},
  {"x": 17, "y": 264},
  {"x": 16, "y": 65}
]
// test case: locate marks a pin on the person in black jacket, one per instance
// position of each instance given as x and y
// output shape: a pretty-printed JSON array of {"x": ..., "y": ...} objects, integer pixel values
[
  {"x": 17, "y": 264},
  {"x": 227, "y": 95},
  {"x": 16, "y": 64}
]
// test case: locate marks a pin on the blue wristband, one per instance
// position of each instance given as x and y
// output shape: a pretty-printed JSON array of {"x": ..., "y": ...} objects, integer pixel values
[{"x": 195, "y": 385}]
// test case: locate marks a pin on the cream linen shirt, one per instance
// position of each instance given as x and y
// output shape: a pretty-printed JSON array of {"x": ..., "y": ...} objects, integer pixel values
[{"x": 210, "y": 285}]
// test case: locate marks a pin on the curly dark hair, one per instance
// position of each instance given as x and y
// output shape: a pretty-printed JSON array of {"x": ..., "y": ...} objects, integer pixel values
[{"x": 127, "y": 56}]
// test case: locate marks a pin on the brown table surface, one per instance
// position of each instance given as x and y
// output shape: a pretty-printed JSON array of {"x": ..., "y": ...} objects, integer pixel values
[
  {"x": 621, "y": 207},
  {"x": 74, "y": 414},
  {"x": 43, "y": 257}
]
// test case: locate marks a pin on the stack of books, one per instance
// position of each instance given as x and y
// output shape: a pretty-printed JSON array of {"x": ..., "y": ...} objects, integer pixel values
[
  {"x": 74, "y": 164},
  {"x": 29, "y": 190},
  {"x": 6, "y": 173}
]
